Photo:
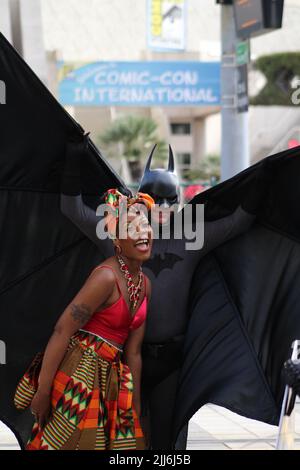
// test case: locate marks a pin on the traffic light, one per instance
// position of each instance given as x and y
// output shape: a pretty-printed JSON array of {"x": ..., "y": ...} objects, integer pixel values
[
  {"x": 273, "y": 11},
  {"x": 256, "y": 17}
]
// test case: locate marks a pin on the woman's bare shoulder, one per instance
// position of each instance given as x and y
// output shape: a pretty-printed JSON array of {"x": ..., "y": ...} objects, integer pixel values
[{"x": 104, "y": 272}]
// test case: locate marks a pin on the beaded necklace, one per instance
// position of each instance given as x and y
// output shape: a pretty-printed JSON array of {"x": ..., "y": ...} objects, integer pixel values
[{"x": 133, "y": 290}]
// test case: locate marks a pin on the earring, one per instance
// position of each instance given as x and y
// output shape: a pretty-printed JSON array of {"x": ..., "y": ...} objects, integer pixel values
[{"x": 118, "y": 249}]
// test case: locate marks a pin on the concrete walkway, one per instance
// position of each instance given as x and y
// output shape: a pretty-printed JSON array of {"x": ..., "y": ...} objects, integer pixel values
[
  {"x": 213, "y": 428},
  {"x": 216, "y": 428}
]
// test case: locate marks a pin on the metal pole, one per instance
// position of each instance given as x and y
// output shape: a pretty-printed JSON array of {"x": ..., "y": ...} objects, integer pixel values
[{"x": 235, "y": 139}]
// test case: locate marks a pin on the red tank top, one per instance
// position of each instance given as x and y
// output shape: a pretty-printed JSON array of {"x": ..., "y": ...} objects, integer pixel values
[{"x": 115, "y": 322}]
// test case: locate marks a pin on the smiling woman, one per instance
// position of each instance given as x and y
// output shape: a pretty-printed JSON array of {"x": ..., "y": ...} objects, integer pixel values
[{"x": 88, "y": 389}]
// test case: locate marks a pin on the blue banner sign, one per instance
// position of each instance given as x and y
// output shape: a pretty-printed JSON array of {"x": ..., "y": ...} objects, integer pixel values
[{"x": 140, "y": 84}]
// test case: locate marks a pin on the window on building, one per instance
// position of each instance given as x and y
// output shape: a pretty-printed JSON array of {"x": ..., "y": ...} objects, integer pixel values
[
  {"x": 181, "y": 128},
  {"x": 184, "y": 159},
  {"x": 183, "y": 163}
]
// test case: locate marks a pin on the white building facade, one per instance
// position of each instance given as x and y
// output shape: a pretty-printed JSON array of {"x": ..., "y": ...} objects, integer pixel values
[{"x": 114, "y": 30}]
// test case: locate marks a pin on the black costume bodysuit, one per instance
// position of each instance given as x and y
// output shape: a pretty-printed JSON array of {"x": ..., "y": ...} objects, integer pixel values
[{"x": 170, "y": 268}]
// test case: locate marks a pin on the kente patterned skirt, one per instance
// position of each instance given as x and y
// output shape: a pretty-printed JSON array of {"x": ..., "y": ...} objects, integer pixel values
[{"x": 91, "y": 401}]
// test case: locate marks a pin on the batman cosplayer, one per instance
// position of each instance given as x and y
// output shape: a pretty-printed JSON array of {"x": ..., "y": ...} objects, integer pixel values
[
  {"x": 221, "y": 318},
  {"x": 170, "y": 269}
]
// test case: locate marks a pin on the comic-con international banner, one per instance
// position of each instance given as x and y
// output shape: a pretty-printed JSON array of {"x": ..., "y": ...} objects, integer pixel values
[
  {"x": 166, "y": 24},
  {"x": 153, "y": 83}
]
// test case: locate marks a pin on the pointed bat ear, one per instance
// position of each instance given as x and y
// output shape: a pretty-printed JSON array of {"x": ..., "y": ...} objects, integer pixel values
[
  {"x": 148, "y": 164},
  {"x": 171, "y": 160}
]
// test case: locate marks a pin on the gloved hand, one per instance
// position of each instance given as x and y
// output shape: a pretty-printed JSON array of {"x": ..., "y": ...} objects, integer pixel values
[{"x": 254, "y": 197}]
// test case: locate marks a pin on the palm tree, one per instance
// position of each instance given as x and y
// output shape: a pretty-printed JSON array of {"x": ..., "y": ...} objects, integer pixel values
[
  {"x": 207, "y": 170},
  {"x": 132, "y": 137}
]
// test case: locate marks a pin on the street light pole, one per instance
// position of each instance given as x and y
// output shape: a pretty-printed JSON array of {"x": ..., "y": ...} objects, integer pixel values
[{"x": 235, "y": 133}]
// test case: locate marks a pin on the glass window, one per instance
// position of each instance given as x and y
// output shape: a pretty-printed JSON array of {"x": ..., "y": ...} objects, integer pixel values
[
  {"x": 184, "y": 159},
  {"x": 180, "y": 128}
]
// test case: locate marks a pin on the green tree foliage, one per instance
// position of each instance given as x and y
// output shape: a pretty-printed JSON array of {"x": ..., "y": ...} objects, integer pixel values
[
  {"x": 133, "y": 137},
  {"x": 207, "y": 170},
  {"x": 280, "y": 70}
]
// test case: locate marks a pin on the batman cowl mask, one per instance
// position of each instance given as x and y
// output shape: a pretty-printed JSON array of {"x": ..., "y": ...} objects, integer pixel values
[{"x": 162, "y": 185}]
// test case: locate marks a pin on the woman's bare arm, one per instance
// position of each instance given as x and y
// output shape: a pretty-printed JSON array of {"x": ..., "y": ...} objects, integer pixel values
[{"x": 96, "y": 290}]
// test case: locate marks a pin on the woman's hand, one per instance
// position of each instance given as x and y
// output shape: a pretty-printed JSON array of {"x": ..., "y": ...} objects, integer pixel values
[
  {"x": 97, "y": 288},
  {"x": 41, "y": 407}
]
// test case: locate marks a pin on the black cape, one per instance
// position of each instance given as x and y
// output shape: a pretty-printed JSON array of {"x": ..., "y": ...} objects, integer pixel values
[
  {"x": 244, "y": 298},
  {"x": 44, "y": 258},
  {"x": 244, "y": 303}
]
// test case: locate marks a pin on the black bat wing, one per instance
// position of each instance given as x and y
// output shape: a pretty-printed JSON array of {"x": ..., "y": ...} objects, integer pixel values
[
  {"x": 44, "y": 258},
  {"x": 244, "y": 310}
]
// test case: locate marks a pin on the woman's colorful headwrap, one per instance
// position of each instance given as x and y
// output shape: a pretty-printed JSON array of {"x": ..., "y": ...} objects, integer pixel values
[{"x": 113, "y": 198}]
